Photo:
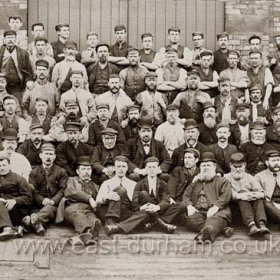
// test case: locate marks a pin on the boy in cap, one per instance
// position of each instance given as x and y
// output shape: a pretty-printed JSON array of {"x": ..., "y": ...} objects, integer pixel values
[
  {"x": 48, "y": 180},
  {"x": 248, "y": 193}
]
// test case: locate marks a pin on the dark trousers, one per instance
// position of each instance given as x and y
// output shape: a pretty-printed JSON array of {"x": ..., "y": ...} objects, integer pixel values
[
  {"x": 252, "y": 211},
  {"x": 47, "y": 213},
  {"x": 272, "y": 212},
  {"x": 80, "y": 215},
  {"x": 198, "y": 221},
  {"x": 16, "y": 91},
  {"x": 11, "y": 218}
]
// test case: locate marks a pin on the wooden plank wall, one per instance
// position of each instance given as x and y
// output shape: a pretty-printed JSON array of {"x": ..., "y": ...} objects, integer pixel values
[{"x": 139, "y": 16}]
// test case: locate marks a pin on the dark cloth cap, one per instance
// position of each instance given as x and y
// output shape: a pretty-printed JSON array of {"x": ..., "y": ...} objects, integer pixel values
[
  {"x": 237, "y": 158},
  {"x": 79, "y": 72},
  {"x": 255, "y": 87},
  {"x": 193, "y": 72},
  {"x": 84, "y": 160},
  {"x": 70, "y": 44},
  {"x": 114, "y": 76},
  {"x": 100, "y": 44},
  {"x": 10, "y": 134},
  {"x": 71, "y": 102},
  {"x": 208, "y": 156},
  {"x": 58, "y": 26},
  {"x": 257, "y": 125},
  {"x": 223, "y": 79},
  {"x": 42, "y": 62},
  {"x": 132, "y": 49},
  {"x": 151, "y": 74},
  {"x": 151, "y": 159},
  {"x": 174, "y": 28},
  {"x": 146, "y": 35},
  {"x": 73, "y": 126},
  {"x": 272, "y": 153},
  {"x": 242, "y": 106},
  {"x": 222, "y": 35},
  {"x": 193, "y": 151},
  {"x": 47, "y": 147},
  {"x": 119, "y": 27},
  {"x": 121, "y": 158},
  {"x": 146, "y": 122},
  {"x": 219, "y": 125},
  {"x": 35, "y": 126},
  {"x": 190, "y": 124},
  {"x": 172, "y": 107},
  {"x": 9, "y": 33},
  {"x": 207, "y": 105},
  {"x": 133, "y": 107},
  {"x": 170, "y": 50},
  {"x": 254, "y": 37},
  {"x": 103, "y": 105},
  {"x": 198, "y": 33},
  {"x": 109, "y": 131},
  {"x": 9, "y": 96},
  {"x": 205, "y": 53}
]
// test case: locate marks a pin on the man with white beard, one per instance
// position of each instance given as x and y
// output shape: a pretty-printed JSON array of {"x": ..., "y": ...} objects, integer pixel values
[
  {"x": 249, "y": 195},
  {"x": 207, "y": 200},
  {"x": 207, "y": 129},
  {"x": 255, "y": 149}
]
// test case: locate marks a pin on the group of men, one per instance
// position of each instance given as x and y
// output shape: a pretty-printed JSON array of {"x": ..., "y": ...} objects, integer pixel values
[{"x": 134, "y": 139}]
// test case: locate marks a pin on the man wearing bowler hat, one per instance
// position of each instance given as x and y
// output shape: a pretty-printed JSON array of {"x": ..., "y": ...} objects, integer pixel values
[
  {"x": 171, "y": 132},
  {"x": 207, "y": 200},
  {"x": 49, "y": 180},
  {"x": 99, "y": 71},
  {"x": 249, "y": 195},
  {"x": 143, "y": 147},
  {"x": 68, "y": 152},
  {"x": 151, "y": 101}
]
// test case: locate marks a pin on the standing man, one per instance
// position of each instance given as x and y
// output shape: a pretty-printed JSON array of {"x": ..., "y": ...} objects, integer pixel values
[
  {"x": 198, "y": 43},
  {"x": 220, "y": 56},
  {"x": 147, "y": 54},
  {"x": 89, "y": 55}
]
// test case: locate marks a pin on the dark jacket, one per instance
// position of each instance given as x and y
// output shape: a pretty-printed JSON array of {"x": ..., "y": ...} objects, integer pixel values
[
  {"x": 207, "y": 136},
  {"x": 137, "y": 154},
  {"x": 58, "y": 47},
  {"x": 236, "y": 134},
  {"x": 48, "y": 186},
  {"x": 272, "y": 137}
]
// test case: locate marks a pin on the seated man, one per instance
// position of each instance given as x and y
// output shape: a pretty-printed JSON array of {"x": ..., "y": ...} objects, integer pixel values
[
  {"x": 248, "y": 193},
  {"x": 182, "y": 176},
  {"x": 104, "y": 154},
  {"x": 68, "y": 152},
  {"x": 115, "y": 196},
  {"x": 207, "y": 200},
  {"x": 151, "y": 201},
  {"x": 15, "y": 199},
  {"x": 79, "y": 206},
  {"x": 273, "y": 130},
  {"x": 145, "y": 146},
  {"x": 49, "y": 180}
]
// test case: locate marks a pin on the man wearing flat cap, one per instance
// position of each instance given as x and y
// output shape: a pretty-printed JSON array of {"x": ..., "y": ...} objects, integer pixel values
[
  {"x": 171, "y": 77},
  {"x": 207, "y": 200},
  {"x": 171, "y": 132},
  {"x": 78, "y": 207},
  {"x": 145, "y": 146},
  {"x": 15, "y": 199},
  {"x": 254, "y": 150},
  {"x": 132, "y": 129},
  {"x": 42, "y": 88},
  {"x": 104, "y": 154},
  {"x": 132, "y": 77},
  {"x": 198, "y": 44},
  {"x": 63, "y": 34},
  {"x": 48, "y": 180},
  {"x": 191, "y": 100},
  {"x": 68, "y": 152},
  {"x": 152, "y": 102},
  {"x": 117, "y": 100},
  {"x": 100, "y": 70},
  {"x": 62, "y": 71},
  {"x": 103, "y": 121},
  {"x": 184, "y": 55},
  {"x": 249, "y": 195},
  {"x": 15, "y": 63},
  {"x": 207, "y": 129}
]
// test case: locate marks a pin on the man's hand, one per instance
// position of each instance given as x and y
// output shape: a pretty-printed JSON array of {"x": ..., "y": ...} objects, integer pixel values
[
  {"x": 92, "y": 203},
  {"x": 191, "y": 210},
  {"x": 265, "y": 104},
  {"x": 2, "y": 200},
  {"x": 113, "y": 196},
  {"x": 124, "y": 123},
  {"x": 30, "y": 85},
  {"x": 51, "y": 202},
  {"x": 172, "y": 201},
  {"x": 10, "y": 203},
  {"x": 61, "y": 120},
  {"x": 152, "y": 208},
  {"x": 83, "y": 120},
  {"x": 46, "y": 201},
  {"x": 200, "y": 99},
  {"x": 109, "y": 171},
  {"x": 212, "y": 211},
  {"x": 140, "y": 171}
]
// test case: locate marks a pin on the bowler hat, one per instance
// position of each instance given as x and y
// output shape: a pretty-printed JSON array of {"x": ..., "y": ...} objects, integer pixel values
[
  {"x": 10, "y": 134},
  {"x": 207, "y": 105},
  {"x": 208, "y": 156},
  {"x": 146, "y": 122},
  {"x": 190, "y": 124},
  {"x": 84, "y": 160},
  {"x": 237, "y": 158}
]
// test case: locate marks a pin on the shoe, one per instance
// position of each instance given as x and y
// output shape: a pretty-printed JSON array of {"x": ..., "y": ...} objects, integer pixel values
[
  {"x": 168, "y": 228},
  {"x": 228, "y": 232},
  {"x": 263, "y": 228},
  {"x": 254, "y": 231},
  {"x": 36, "y": 224},
  {"x": 20, "y": 231},
  {"x": 206, "y": 233},
  {"x": 26, "y": 222},
  {"x": 148, "y": 226},
  {"x": 112, "y": 229},
  {"x": 7, "y": 233},
  {"x": 80, "y": 240},
  {"x": 95, "y": 229}
]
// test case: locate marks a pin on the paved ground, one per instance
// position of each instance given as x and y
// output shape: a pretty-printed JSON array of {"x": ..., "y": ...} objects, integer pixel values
[{"x": 140, "y": 256}]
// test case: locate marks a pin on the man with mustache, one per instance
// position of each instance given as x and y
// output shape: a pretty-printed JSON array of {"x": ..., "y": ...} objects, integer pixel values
[
  {"x": 62, "y": 71},
  {"x": 104, "y": 154},
  {"x": 207, "y": 129},
  {"x": 131, "y": 131},
  {"x": 270, "y": 181},
  {"x": 42, "y": 88},
  {"x": 254, "y": 150},
  {"x": 151, "y": 101},
  {"x": 31, "y": 148},
  {"x": 273, "y": 130},
  {"x": 207, "y": 200},
  {"x": 99, "y": 71},
  {"x": 249, "y": 195},
  {"x": 222, "y": 149},
  {"x": 48, "y": 180},
  {"x": 191, "y": 101},
  {"x": 117, "y": 100},
  {"x": 171, "y": 132}
]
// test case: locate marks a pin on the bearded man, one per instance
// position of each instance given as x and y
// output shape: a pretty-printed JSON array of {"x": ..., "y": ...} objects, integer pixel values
[
  {"x": 132, "y": 128},
  {"x": 273, "y": 130}
]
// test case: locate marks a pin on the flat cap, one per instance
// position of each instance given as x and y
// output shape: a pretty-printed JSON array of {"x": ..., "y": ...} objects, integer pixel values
[
  {"x": 10, "y": 134},
  {"x": 114, "y": 76},
  {"x": 151, "y": 159},
  {"x": 109, "y": 131},
  {"x": 242, "y": 105},
  {"x": 206, "y": 53},
  {"x": 219, "y": 125},
  {"x": 132, "y": 49},
  {"x": 79, "y": 72},
  {"x": 151, "y": 74},
  {"x": 193, "y": 72},
  {"x": 102, "y": 106},
  {"x": 172, "y": 107},
  {"x": 170, "y": 50},
  {"x": 190, "y": 124},
  {"x": 84, "y": 160},
  {"x": 208, "y": 156},
  {"x": 222, "y": 35},
  {"x": 257, "y": 125},
  {"x": 237, "y": 158},
  {"x": 121, "y": 158},
  {"x": 42, "y": 62},
  {"x": 119, "y": 27},
  {"x": 193, "y": 151},
  {"x": 70, "y": 44},
  {"x": 133, "y": 107},
  {"x": 207, "y": 105},
  {"x": 47, "y": 147},
  {"x": 174, "y": 28},
  {"x": 100, "y": 44},
  {"x": 272, "y": 153},
  {"x": 35, "y": 126},
  {"x": 73, "y": 126},
  {"x": 71, "y": 102},
  {"x": 9, "y": 33},
  {"x": 255, "y": 87},
  {"x": 9, "y": 96},
  {"x": 146, "y": 122}
]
